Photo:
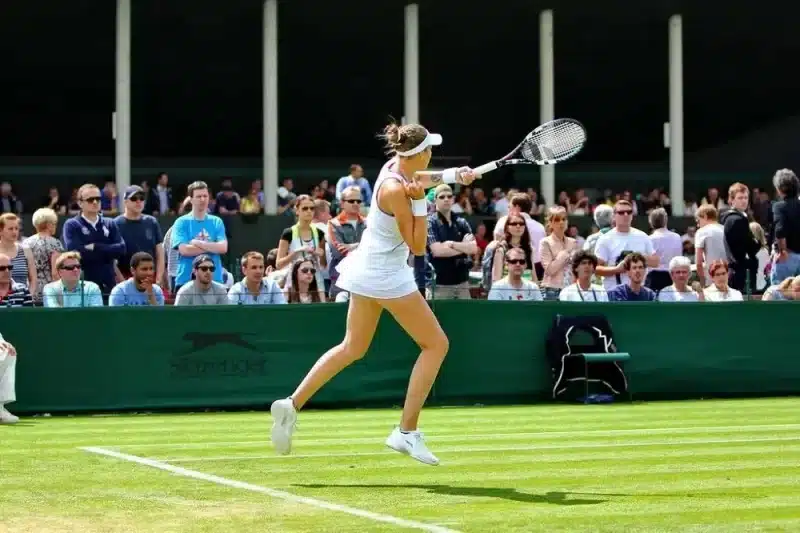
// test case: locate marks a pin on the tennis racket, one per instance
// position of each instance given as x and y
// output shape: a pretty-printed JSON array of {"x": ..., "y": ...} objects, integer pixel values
[{"x": 550, "y": 143}]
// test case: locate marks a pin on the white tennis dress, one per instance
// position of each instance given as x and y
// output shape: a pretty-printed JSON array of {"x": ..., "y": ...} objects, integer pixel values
[{"x": 379, "y": 268}]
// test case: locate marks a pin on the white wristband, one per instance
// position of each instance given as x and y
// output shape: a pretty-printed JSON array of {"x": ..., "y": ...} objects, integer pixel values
[
  {"x": 419, "y": 207},
  {"x": 449, "y": 175}
]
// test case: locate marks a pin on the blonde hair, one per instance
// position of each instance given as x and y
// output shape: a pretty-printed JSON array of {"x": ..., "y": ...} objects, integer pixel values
[
  {"x": 254, "y": 255},
  {"x": 42, "y": 217},
  {"x": 65, "y": 256},
  {"x": 85, "y": 187},
  {"x": 707, "y": 212},
  {"x": 758, "y": 233},
  {"x": 5, "y": 218},
  {"x": 553, "y": 212},
  {"x": 402, "y": 138}
]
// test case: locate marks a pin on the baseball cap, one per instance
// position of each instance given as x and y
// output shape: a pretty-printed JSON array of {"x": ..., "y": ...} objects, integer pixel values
[
  {"x": 133, "y": 189},
  {"x": 200, "y": 259}
]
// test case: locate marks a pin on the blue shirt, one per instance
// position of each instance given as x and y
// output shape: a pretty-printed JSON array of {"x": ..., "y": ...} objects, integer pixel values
[
  {"x": 126, "y": 294},
  {"x": 142, "y": 235},
  {"x": 188, "y": 228},
  {"x": 97, "y": 263},
  {"x": 85, "y": 294},
  {"x": 623, "y": 293},
  {"x": 270, "y": 293}
]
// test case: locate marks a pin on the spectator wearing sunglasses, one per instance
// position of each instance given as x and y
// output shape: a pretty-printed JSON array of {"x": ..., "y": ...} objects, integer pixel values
[
  {"x": 301, "y": 283},
  {"x": 513, "y": 286},
  {"x": 614, "y": 246},
  {"x": 70, "y": 290},
  {"x": 202, "y": 290},
  {"x": 451, "y": 248},
  {"x": 345, "y": 231},
  {"x": 96, "y": 238},
  {"x": 12, "y": 294},
  {"x": 141, "y": 233},
  {"x": 303, "y": 240}
]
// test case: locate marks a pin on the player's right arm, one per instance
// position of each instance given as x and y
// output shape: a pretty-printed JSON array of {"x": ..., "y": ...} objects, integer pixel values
[{"x": 394, "y": 199}]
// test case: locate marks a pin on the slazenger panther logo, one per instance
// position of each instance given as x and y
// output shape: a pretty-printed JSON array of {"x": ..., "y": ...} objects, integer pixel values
[{"x": 201, "y": 341}]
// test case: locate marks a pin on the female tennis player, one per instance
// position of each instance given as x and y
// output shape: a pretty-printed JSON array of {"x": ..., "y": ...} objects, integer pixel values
[{"x": 377, "y": 276}]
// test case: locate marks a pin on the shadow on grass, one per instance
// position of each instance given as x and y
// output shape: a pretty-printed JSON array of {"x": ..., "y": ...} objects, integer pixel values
[{"x": 553, "y": 498}]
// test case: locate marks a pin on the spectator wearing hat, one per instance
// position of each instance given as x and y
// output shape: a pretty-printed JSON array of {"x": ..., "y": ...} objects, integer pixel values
[
  {"x": 451, "y": 248},
  {"x": 141, "y": 233},
  {"x": 202, "y": 290},
  {"x": 96, "y": 238},
  {"x": 140, "y": 289}
]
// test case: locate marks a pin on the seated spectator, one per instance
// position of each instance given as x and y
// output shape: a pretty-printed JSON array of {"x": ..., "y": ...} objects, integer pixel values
[
  {"x": 301, "y": 283},
  {"x": 8, "y": 373},
  {"x": 720, "y": 291},
  {"x": 679, "y": 270},
  {"x": 513, "y": 286},
  {"x": 521, "y": 204},
  {"x": 788, "y": 289},
  {"x": 582, "y": 266},
  {"x": 12, "y": 294},
  {"x": 141, "y": 288},
  {"x": 345, "y": 231},
  {"x": 515, "y": 236},
  {"x": 22, "y": 261},
  {"x": 555, "y": 251},
  {"x": 70, "y": 290},
  {"x": 634, "y": 290},
  {"x": 202, "y": 289},
  {"x": 255, "y": 289}
]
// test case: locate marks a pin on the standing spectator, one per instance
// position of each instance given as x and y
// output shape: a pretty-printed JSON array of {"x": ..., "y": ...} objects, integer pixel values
[
  {"x": 159, "y": 201},
  {"x": 202, "y": 290},
  {"x": 45, "y": 248},
  {"x": 109, "y": 199},
  {"x": 583, "y": 290},
  {"x": 53, "y": 201},
  {"x": 451, "y": 247},
  {"x": 96, "y": 238},
  {"x": 667, "y": 244},
  {"x": 603, "y": 217},
  {"x": 720, "y": 291},
  {"x": 633, "y": 290},
  {"x": 344, "y": 232},
  {"x": 786, "y": 231},
  {"x": 709, "y": 242},
  {"x": 521, "y": 204},
  {"x": 70, "y": 290},
  {"x": 252, "y": 203},
  {"x": 141, "y": 233},
  {"x": 140, "y": 289},
  {"x": 740, "y": 244},
  {"x": 198, "y": 233},
  {"x": 173, "y": 258},
  {"x": 12, "y": 294},
  {"x": 513, "y": 287},
  {"x": 301, "y": 283},
  {"x": 354, "y": 179},
  {"x": 322, "y": 215},
  {"x": 555, "y": 251},
  {"x": 303, "y": 240},
  {"x": 763, "y": 257},
  {"x": 8, "y": 378},
  {"x": 21, "y": 256},
  {"x": 9, "y": 203},
  {"x": 255, "y": 288},
  {"x": 679, "y": 270},
  {"x": 613, "y": 246},
  {"x": 516, "y": 235}
]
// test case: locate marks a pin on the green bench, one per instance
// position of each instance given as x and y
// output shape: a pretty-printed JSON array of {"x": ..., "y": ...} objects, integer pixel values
[{"x": 615, "y": 357}]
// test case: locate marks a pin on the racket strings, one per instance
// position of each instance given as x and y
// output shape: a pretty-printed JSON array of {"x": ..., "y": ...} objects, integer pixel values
[{"x": 555, "y": 142}]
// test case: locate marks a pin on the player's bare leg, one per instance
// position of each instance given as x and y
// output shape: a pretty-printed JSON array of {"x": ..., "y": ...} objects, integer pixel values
[
  {"x": 362, "y": 321},
  {"x": 417, "y": 319}
]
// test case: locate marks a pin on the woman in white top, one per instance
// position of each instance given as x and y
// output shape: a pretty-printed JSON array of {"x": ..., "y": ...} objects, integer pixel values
[
  {"x": 762, "y": 256},
  {"x": 378, "y": 277},
  {"x": 719, "y": 291},
  {"x": 303, "y": 240},
  {"x": 679, "y": 270}
]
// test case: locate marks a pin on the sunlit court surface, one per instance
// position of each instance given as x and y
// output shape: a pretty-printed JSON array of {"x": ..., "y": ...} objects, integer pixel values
[{"x": 723, "y": 466}]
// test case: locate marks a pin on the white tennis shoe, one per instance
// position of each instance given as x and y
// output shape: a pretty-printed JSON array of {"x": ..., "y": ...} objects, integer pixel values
[
  {"x": 411, "y": 444},
  {"x": 284, "y": 419},
  {"x": 6, "y": 417}
]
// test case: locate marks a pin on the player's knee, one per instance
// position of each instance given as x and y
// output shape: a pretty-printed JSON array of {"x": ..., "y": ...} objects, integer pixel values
[
  {"x": 438, "y": 344},
  {"x": 353, "y": 351}
]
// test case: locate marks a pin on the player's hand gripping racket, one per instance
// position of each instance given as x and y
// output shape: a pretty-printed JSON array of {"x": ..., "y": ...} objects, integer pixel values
[{"x": 550, "y": 143}]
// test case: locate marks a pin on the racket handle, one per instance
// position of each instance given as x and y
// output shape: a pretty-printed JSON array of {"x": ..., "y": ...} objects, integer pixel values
[{"x": 483, "y": 169}]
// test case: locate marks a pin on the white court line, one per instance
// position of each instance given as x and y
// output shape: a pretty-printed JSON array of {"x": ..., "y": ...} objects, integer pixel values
[
  {"x": 484, "y": 449},
  {"x": 460, "y": 436},
  {"x": 274, "y": 493}
]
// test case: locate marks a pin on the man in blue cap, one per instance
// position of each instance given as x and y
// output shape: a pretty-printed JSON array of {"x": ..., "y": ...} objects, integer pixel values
[{"x": 141, "y": 233}]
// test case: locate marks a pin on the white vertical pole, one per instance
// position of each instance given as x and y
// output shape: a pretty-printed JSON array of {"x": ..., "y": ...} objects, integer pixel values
[
  {"x": 270, "y": 107},
  {"x": 547, "y": 97},
  {"x": 411, "y": 66},
  {"x": 121, "y": 127},
  {"x": 676, "y": 114}
]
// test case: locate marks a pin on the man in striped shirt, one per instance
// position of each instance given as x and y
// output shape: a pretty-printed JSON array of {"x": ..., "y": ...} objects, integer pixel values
[{"x": 12, "y": 294}]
